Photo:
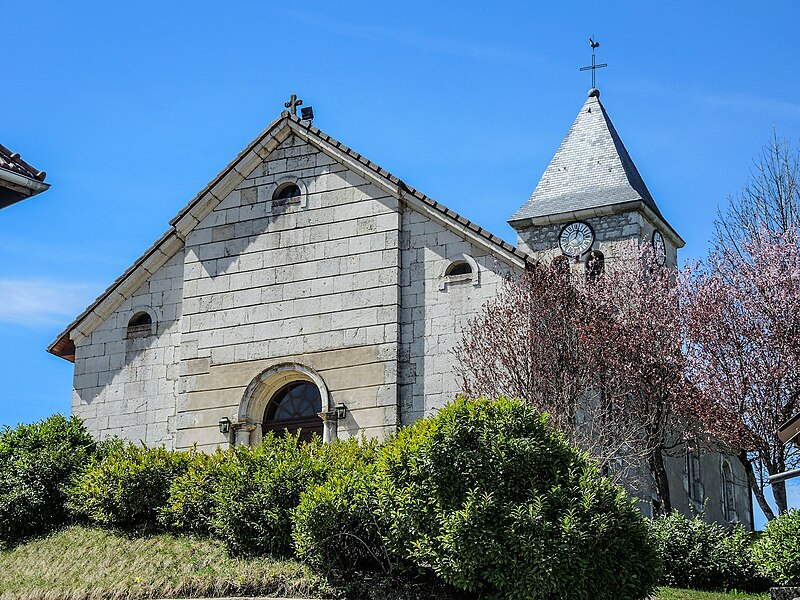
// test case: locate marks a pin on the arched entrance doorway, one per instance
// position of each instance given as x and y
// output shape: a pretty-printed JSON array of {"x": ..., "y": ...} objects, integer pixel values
[
  {"x": 294, "y": 409},
  {"x": 286, "y": 397}
]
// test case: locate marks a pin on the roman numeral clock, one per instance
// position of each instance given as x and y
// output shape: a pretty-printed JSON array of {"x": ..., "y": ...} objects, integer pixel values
[{"x": 576, "y": 239}]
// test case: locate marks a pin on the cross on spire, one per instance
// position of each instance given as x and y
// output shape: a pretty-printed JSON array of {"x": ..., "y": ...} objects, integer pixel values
[
  {"x": 594, "y": 66},
  {"x": 293, "y": 103}
]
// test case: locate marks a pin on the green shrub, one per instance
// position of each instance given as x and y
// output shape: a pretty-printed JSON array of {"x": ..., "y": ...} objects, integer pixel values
[
  {"x": 491, "y": 499},
  {"x": 128, "y": 486},
  {"x": 777, "y": 551},
  {"x": 37, "y": 463},
  {"x": 337, "y": 525},
  {"x": 190, "y": 505},
  {"x": 259, "y": 489},
  {"x": 705, "y": 556}
]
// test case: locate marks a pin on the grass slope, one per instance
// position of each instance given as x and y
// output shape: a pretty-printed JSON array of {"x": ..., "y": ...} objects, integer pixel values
[
  {"x": 674, "y": 594},
  {"x": 81, "y": 563},
  {"x": 92, "y": 564}
]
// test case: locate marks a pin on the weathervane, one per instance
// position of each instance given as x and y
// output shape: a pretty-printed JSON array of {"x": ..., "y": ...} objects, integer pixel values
[
  {"x": 293, "y": 103},
  {"x": 594, "y": 66}
]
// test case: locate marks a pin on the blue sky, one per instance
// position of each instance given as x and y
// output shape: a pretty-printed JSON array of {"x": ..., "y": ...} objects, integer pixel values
[{"x": 132, "y": 108}]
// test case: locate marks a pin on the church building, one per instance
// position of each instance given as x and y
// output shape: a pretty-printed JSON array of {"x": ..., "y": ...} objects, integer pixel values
[{"x": 308, "y": 288}]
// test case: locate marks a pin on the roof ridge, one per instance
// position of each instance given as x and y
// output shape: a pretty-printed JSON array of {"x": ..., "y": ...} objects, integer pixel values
[
  {"x": 411, "y": 190},
  {"x": 631, "y": 172}
]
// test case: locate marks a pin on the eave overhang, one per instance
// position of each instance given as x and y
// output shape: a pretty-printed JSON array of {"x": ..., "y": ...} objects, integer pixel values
[{"x": 603, "y": 211}]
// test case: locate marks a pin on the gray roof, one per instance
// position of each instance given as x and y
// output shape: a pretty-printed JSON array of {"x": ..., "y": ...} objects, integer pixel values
[{"x": 591, "y": 169}]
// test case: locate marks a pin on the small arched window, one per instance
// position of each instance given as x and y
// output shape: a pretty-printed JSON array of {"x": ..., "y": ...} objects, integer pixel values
[
  {"x": 595, "y": 264},
  {"x": 287, "y": 193},
  {"x": 459, "y": 268},
  {"x": 140, "y": 325}
]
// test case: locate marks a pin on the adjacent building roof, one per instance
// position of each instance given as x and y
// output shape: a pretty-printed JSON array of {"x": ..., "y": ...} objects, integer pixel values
[
  {"x": 18, "y": 179},
  {"x": 790, "y": 430},
  {"x": 591, "y": 169}
]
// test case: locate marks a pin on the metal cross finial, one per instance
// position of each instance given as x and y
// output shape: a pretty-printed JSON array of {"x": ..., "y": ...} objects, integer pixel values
[
  {"x": 594, "y": 66},
  {"x": 293, "y": 103}
]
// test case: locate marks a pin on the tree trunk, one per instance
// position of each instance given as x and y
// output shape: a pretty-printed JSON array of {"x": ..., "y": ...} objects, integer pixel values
[
  {"x": 659, "y": 473},
  {"x": 779, "y": 488},
  {"x": 758, "y": 491},
  {"x": 779, "y": 493}
]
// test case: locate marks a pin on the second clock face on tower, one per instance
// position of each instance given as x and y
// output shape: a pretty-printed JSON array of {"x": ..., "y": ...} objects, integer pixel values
[
  {"x": 576, "y": 238},
  {"x": 659, "y": 249}
]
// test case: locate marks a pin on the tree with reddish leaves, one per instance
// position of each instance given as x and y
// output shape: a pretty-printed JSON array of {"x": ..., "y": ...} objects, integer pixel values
[
  {"x": 601, "y": 355},
  {"x": 634, "y": 333},
  {"x": 742, "y": 319}
]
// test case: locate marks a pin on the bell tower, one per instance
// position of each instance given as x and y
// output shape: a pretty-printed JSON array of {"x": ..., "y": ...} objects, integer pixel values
[{"x": 591, "y": 200}]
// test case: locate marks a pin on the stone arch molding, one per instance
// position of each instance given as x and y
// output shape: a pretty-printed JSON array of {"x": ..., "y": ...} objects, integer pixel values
[
  {"x": 274, "y": 187},
  {"x": 263, "y": 388},
  {"x": 475, "y": 277}
]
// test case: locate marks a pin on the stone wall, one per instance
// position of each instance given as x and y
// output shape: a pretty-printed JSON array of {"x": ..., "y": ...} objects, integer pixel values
[
  {"x": 435, "y": 309},
  {"x": 613, "y": 235},
  {"x": 128, "y": 386},
  {"x": 784, "y": 593},
  {"x": 313, "y": 280},
  {"x": 711, "y": 477},
  {"x": 265, "y": 281}
]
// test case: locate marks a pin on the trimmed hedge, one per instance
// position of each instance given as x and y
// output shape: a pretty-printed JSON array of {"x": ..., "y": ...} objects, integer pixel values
[
  {"x": 705, "y": 556},
  {"x": 258, "y": 491},
  {"x": 482, "y": 499},
  {"x": 494, "y": 501},
  {"x": 337, "y": 526},
  {"x": 777, "y": 551},
  {"x": 37, "y": 463},
  {"x": 128, "y": 486},
  {"x": 191, "y": 503}
]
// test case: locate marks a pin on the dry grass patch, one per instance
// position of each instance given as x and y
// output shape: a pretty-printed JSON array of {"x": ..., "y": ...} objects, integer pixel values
[
  {"x": 91, "y": 564},
  {"x": 676, "y": 594}
]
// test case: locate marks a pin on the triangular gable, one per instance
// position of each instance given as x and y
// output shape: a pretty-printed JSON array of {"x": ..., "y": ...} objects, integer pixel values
[{"x": 227, "y": 181}]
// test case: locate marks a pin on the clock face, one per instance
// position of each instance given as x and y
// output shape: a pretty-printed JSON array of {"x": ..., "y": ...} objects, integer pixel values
[
  {"x": 659, "y": 249},
  {"x": 576, "y": 238}
]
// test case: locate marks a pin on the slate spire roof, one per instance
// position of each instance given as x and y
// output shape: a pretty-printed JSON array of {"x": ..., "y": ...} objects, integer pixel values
[{"x": 591, "y": 169}]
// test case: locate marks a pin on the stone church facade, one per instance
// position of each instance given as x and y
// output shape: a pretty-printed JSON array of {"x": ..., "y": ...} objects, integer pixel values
[{"x": 307, "y": 287}]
